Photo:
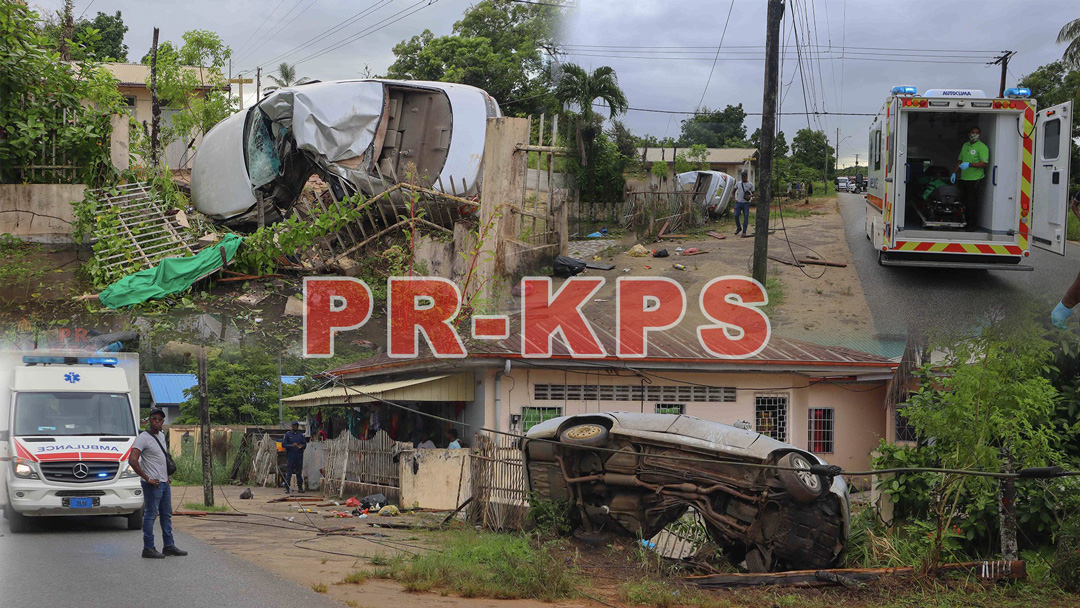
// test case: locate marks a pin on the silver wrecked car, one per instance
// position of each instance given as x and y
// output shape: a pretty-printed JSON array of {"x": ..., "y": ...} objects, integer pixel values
[
  {"x": 360, "y": 136},
  {"x": 774, "y": 519}
]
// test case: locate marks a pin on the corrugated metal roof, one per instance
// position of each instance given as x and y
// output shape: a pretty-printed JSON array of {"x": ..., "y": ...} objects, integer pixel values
[
  {"x": 137, "y": 74},
  {"x": 168, "y": 389},
  {"x": 715, "y": 155},
  {"x": 456, "y": 387},
  {"x": 678, "y": 345}
]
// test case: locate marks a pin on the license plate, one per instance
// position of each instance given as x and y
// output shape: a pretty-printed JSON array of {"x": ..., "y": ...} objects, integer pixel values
[{"x": 81, "y": 503}]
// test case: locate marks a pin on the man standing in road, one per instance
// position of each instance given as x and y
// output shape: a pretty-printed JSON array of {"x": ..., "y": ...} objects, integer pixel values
[
  {"x": 744, "y": 193},
  {"x": 974, "y": 157},
  {"x": 149, "y": 462},
  {"x": 294, "y": 444}
]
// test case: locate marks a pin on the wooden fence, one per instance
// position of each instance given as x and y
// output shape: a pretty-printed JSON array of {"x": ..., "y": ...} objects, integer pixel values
[
  {"x": 500, "y": 495},
  {"x": 363, "y": 466}
]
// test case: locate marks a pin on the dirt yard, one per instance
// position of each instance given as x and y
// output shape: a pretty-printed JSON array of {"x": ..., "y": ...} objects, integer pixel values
[{"x": 809, "y": 303}]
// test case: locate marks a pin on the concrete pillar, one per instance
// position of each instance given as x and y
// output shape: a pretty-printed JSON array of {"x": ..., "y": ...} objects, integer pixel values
[
  {"x": 503, "y": 186},
  {"x": 118, "y": 142}
]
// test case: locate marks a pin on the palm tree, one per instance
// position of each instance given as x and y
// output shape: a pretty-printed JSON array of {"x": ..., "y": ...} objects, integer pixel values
[
  {"x": 1071, "y": 34},
  {"x": 286, "y": 77},
  {"x": 578, "y": 86}
]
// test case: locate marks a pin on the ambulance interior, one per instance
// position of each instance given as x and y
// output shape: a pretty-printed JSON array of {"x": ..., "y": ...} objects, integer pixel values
[{"x": 934, "y": 141}]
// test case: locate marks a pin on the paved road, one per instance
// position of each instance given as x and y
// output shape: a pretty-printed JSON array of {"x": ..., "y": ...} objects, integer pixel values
[
  {"x": 94, "y": 562},
  {"x": 902, "y": 297}
]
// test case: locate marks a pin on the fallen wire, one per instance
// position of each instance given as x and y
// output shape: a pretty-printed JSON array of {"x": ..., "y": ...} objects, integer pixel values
[{"x": 831, "y": 470}]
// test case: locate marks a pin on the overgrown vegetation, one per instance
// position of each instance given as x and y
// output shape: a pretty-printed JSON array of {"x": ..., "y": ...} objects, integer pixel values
[
  {"x": 198, "y": 506},
  {"x": 19, "y": 263},
  {"x": 550, "y": 517},
  {"x": 500, "y": 566}
]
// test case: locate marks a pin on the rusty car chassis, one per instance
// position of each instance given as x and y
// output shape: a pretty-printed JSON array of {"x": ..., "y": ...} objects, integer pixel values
[{"x": 634, "y": 474}]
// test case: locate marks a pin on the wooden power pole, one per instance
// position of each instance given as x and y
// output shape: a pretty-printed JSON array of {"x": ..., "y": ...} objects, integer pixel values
[
  {"x": 1003, "y": 61},
  {"x": 768, "y": 135},
  {"x": 155, "y": 106},
  {"x": 258, "y": 84},
  {"x": 205, "y": 438}
]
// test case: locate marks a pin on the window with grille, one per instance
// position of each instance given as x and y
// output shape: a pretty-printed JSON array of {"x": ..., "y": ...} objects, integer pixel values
[
  {"x": 627, "y": 392},
  {"x": 904, "y": 430},
  {"x": 670, "y": 408},
  {"x": 820, "y": 430},
  {"x": 770, "y": 416},
  {"x": 532, "y": 416}
]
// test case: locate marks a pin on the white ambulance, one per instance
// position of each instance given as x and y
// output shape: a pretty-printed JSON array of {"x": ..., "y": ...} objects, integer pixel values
[
  {"x": 916, "y": 215},
  {"x": 67, "y": 423}
]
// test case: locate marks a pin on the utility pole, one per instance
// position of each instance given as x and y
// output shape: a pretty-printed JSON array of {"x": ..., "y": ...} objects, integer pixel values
[
  {"x": 1003, "y": 61},
  {"x": 768, "y": 136},
  {"x": 204, "y": 432},
  {"x": 155, "y": 105},
  {"x": 258, "y": 84}
]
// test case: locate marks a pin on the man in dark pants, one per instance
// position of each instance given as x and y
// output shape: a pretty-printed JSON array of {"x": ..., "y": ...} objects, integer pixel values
[
  {"x": 744, "y": 193},
  {"x": 294, "y": 444},
  {"x": 148, "y": 461},
  {"x": 974, "y": 158}
]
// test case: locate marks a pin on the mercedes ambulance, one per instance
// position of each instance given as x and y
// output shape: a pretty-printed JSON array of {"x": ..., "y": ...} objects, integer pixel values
[
  {"x": 916, "y": 215},
  {"x": 67, "y": 423}
]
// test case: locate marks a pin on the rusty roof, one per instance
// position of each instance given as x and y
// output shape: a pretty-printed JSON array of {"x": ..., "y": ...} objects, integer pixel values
[
  {"x": 678, "y": 346},
  {"x": 138, "y": 75}
]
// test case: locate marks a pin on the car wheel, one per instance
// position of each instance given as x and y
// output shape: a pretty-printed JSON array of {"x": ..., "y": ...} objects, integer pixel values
[
  {"x": 802, "y": 485},
  {"x": 135, "y": 520},
  {"x": 595, "y": 539},
  {"x": 756, "y": 561},
  {"x": 590, "y": 435}
]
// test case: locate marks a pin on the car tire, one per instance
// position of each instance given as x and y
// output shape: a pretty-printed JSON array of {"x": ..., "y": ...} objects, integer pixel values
[
  {"x": 805, "y": 486},
  {"x": 17, "y": 522},
  {"x": 595, "y": 539},
  {"x": 135, "y": 520},
  {"x": 756, "y": 562},
  {"x": 589, "y": 434}
]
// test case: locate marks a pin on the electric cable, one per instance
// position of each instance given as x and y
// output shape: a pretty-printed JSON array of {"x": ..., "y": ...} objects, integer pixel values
[{"x": 718, "y": 47}]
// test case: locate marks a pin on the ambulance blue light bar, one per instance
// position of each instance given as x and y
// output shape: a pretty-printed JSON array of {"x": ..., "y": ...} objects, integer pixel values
[
  {"x": 905, "y": 90},
  {"x": 44, "y": 360},
  {"x": 1018, "y": 92}
]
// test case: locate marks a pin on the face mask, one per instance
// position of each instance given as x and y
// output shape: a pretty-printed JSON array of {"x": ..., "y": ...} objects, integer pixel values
[{"x": 974, "y": 137}]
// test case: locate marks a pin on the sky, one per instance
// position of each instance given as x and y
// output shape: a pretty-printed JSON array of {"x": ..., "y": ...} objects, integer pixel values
[{"x": 662, "y": 51}]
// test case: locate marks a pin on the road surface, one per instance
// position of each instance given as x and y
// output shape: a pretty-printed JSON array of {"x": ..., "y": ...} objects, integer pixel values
[
  {"x": 95, "y": 563},
  {"x": 902, "y": 297}
]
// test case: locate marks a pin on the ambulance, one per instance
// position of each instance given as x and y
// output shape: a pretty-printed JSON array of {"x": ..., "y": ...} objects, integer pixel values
[
  {"x": 67, "y": 423},
  {"x": 917, "y": 216}
]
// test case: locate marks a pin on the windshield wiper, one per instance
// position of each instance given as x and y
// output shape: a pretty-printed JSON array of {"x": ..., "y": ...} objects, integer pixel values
[{"x": 97, "y": 435}]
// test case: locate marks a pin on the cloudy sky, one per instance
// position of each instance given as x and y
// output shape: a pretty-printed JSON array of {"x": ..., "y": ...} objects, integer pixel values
[{"x": 663, "y": 51}]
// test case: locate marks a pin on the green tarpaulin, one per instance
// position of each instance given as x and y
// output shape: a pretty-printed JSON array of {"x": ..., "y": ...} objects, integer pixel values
[{"x": 171, "y": 275}]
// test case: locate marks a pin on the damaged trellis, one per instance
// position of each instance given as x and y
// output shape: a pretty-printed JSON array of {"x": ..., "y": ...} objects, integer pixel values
[{"x": 133, "y": 230}]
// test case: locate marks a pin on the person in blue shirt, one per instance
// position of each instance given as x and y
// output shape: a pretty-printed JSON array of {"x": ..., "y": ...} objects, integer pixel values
[
  {"x": 455, "y": 443},
  {"x": 294, "y": 444}
]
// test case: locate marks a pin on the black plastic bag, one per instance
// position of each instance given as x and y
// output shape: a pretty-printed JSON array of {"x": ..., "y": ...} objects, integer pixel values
[
  {"x": 661, "y": 253},
  {"x": 565, "y": 267}
]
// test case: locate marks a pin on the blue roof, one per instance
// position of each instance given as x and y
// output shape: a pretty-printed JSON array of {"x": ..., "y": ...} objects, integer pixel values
[{"x": 168, "y": 389}]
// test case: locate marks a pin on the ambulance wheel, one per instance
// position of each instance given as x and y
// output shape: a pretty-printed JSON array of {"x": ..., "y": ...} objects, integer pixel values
[
  {"x": 135, "y": 520},
  {"x": 881, "y": 258},
  {"x": 17, "y": 522}
]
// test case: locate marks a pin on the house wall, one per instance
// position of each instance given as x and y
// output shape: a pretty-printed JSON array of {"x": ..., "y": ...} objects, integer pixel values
[
  {"x": 144, "y": 112},
  {"x": 435, "y": 479},
  {"x": 859, "y": 413}
]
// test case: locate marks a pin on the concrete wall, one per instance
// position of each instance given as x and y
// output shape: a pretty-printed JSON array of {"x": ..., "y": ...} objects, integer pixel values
[
  {"x": 435, "y": 479},
  {"x": 39, "y": 212}
]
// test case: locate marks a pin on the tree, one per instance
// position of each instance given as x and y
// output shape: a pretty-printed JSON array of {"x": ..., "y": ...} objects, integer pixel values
[
  {"x": 780, "y": 145},
  {"x": 626, "y": 144},
  {"x": 812, "y": 149},
  {"x": 694, "y": 159},
  {"x": 107, "y": 45},
  {"x": 242, "y": 384},
  {"x": 715, "y": 128},
  {"x": 500, "y": 46},
  {"x": 989, "y": 405},
  {"x": 43, "y": 98},
  {"x": 1052, "y": 84},
  {"x": 286, "y": 76},
  {"x": 1070, "y": 34},
  {"x": 577, "y": 86}
]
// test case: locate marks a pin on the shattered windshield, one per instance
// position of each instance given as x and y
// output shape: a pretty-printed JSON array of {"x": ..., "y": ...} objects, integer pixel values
[{"x": 263, "y": 161}]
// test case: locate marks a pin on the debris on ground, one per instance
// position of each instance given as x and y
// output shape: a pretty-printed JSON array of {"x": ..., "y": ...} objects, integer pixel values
[
  {"x": 389, "y": 511},
  {"x": 638, "y": 251},
  {"x": 854, "y": 577}
]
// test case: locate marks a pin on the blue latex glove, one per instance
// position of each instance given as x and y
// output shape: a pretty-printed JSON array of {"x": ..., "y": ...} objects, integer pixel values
[
  {"x": 1059, "y": 315},
  {"x": 952, "y": 180},
  {"x": 964, "y": 165}
]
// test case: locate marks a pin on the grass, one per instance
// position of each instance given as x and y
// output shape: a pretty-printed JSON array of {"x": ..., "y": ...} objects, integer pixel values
[
  {"x": 500, "y": 566},
  {"x": 189, "y": 471},
  {"x": 320, "y": 588},
  {"x": 1072, "y": 228},
  {"x": 356, "y": 578},
  {"x": 19, "y": 263},
  {"x": 198, "y": 506},
  {"x": 665, "y": 594},
  {"x": 775, "y": 288}
]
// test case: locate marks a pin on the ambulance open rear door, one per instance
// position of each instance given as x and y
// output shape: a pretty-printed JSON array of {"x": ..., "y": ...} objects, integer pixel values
[{"x": 1050, "y": 196}]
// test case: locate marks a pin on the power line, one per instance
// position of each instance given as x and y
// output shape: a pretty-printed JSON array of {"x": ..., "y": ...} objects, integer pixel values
[
  {"x": 713, "y": 68},
  {"x": 371, "y": 30},
  {"x": 256, "y": 31},
  {"x": 274, "y": 30},
  {"x": 762, "y": 48},
  {"x": 697, "y": 112},
  {"x": 868, "y": 59},
  {"x": 86, "y": 9}
]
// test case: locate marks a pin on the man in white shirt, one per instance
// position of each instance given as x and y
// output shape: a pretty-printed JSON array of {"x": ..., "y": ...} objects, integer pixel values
[
  {"x": 149, "y": 461},
  {"x": 744, "y": 193}
]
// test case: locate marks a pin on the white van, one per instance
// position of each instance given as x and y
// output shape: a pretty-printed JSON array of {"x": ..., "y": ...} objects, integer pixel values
[{"x": 67, "y": 424}]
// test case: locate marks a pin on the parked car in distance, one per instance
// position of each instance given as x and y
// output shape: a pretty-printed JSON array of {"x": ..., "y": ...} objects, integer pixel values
[
  {"x": 360, "y": 136},
  {"x": 633, "y": 474},
  {"x": 842, "y": 184}
]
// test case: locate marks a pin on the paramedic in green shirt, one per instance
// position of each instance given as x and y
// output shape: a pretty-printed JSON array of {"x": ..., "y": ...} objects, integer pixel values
[{"x": 974, "y": 157}]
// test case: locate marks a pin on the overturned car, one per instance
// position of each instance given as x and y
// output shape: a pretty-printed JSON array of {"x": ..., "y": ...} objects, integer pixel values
[
  {"x": 359, "y": 136},
  {"x": 633, "y": 474}
]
